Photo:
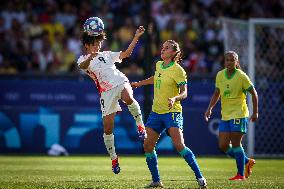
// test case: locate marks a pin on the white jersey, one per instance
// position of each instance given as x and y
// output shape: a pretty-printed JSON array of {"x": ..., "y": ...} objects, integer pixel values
[{"x": 103, "y": 70}]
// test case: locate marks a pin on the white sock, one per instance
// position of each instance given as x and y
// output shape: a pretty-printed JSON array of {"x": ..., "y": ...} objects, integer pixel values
[
  {"x": 109, "y": 143},
  {"x": 134, "y": 109}
]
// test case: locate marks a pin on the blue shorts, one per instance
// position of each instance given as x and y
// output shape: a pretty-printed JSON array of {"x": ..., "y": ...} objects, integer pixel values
[
  {"x": 161, "y": 122},
  {"x": 234, "y": 125}
]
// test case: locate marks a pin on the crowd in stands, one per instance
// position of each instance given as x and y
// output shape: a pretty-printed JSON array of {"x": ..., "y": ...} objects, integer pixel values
[{"x": 44, "y": 36}]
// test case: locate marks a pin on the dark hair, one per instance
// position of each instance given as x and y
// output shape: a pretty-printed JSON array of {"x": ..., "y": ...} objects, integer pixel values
[
  {"x": 238, "y": 65},
  {"x": 89, "y": 39},
  {"x": 178, "y": 57},
  {"x": 236, "y": 56}
]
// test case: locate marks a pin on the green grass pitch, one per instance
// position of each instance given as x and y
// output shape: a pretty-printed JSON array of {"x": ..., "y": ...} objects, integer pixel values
[{"x": 94, "y": 172}]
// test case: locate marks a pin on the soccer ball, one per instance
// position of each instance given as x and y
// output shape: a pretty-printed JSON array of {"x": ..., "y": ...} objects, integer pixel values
[{"x": 94, "y": 26}]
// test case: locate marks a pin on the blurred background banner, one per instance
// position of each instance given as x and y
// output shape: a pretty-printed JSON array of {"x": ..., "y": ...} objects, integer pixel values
[
  {"x": 35, "y": 114},
  {"x": 33, "y": 92}
]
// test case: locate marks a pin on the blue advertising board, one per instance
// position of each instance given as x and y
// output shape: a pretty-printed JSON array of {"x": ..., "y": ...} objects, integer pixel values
[{"x": 34, "y": 114}]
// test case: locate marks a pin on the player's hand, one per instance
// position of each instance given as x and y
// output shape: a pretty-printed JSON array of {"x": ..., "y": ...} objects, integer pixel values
[
  {"x": 140, "y": 31},
  {"x": 207, "y": 114},
  {"x": 254, "y": 117},
  {"x": 135, "y": 85},
  {"x": 171, "y": 102}
]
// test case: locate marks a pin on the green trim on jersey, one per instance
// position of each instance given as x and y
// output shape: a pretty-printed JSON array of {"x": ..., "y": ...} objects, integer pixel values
[
  {"x": 169, "y": 65},
  {"x": 248, "y": 89},
  {"x": 226, "y": 74},
  {"x": 182, "y": 83}
]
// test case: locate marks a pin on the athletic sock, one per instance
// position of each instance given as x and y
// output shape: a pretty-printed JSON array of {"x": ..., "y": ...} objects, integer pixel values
[
  {"x": 109, "y": 143},
  {"x": 152, "y": 162},
  {"x": 240, "y": 159},
  {"x": 230, "y": 152},
  {"x": 189, "y": 157},
  {"x": 135, "y": 111}
]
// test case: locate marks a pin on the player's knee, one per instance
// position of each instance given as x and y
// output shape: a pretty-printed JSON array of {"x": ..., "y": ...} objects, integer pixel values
[
  {"x": 223, "y": 147},
  {"x": 148, "y": 147},
  {"x": 179, "y": 146},
  {"x": 108, "y": 132},
  {"x": 128, "y": 101}
]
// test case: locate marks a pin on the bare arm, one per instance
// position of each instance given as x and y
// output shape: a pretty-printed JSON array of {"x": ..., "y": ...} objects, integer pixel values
[
  {"x": 85, "y": 64},
  {"x": 149, "y": 81},
  {"x": 128, "y": 51},
  {"x": 254, "y": 96},
  {"x": 214, "y": 99},
  {"x": 182, "y": 95}
]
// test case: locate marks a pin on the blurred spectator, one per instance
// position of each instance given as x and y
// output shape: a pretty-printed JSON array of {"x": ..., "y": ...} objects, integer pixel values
[
  {"x": 45, "y": 59},
  {"x": 67, "y": 17},
  {"x": 44, "y": 36}
]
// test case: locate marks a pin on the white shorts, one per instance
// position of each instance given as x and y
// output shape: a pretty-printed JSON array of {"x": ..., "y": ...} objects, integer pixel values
[{"x": 109, "y": 100}]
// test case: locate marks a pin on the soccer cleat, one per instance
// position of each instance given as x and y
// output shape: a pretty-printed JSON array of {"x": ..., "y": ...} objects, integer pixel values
[
  {"x": 141, "y": 132},
  {"x": 202, "y": 182},
  {"x": 238, "y": 177},
  {"x": 155, "y": 185},
  {"x": 115, "y": 166},
  {"x": 248, "y": 167}
]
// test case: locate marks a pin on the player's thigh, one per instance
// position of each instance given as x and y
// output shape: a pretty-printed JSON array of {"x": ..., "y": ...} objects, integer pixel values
[
  {"x": 127, "y": 94},
  {"x": 151, "y": 140},
  {"x": 177, "y": 138},
  {"x": 108, "y": 122},
  {"x": 238, "y": 129},
  {"x": 224, "y": 140},
  {"x": 155, "y": 122},
  {"x": 109, "y": 101}
]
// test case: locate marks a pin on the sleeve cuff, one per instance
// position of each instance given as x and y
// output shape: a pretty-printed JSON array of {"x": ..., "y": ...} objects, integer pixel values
[
  {"x": 182, "y": 83},
  {"x": 248, "y": 89}
]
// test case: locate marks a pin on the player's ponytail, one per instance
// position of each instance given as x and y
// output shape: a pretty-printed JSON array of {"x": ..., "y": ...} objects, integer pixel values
[{"x": 178, "y": 56}]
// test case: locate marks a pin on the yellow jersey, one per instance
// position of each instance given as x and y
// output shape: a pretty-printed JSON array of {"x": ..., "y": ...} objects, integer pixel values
[
  {"x": 233, "y": 94},
  {"x": 166, "y": 85}
]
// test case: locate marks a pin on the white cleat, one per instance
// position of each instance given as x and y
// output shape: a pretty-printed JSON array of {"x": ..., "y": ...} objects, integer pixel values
[
  {"x": 202, "y": 182},
  {"x": 155, "y": 185}
]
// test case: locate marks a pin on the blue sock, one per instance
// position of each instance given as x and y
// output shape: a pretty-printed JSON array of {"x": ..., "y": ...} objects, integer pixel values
[
  {"x": 240, "y": 159},
  {"x": 230, "y": 152},
  {"x": 189, "y": 157},
  {"x": 152, "y": 162}
]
